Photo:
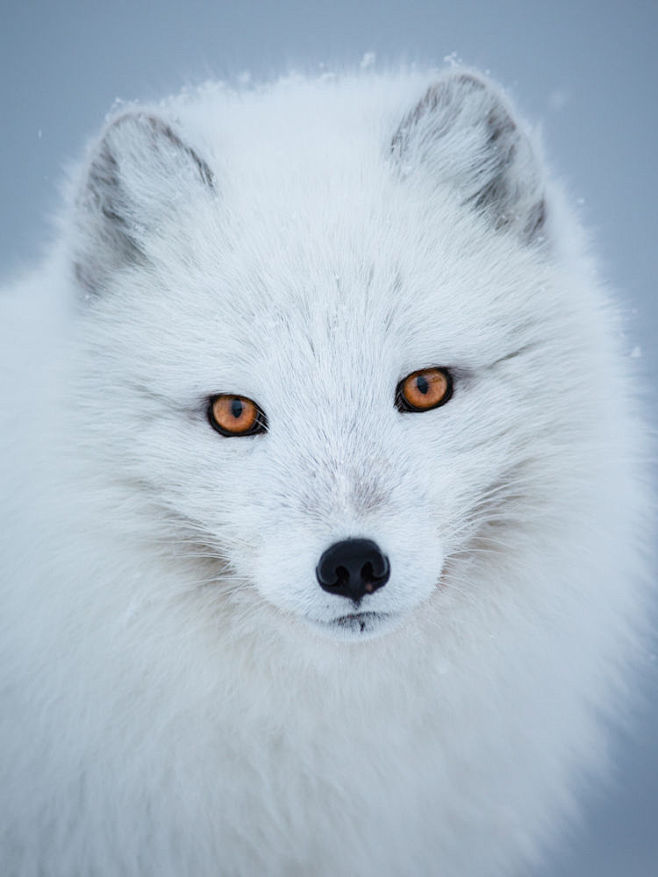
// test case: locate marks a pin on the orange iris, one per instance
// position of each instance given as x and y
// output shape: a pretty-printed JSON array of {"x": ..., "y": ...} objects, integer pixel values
[
  {"x": 235, "y": 415},
  {"x": 424, "y": 389}
]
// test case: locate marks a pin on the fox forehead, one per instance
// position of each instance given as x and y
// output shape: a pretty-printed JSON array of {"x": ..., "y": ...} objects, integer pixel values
[{"x": 330, "y": 311}]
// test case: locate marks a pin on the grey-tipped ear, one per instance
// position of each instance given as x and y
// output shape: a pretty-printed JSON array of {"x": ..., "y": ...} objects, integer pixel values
[
  {"x": 463, "y": 132},
  {"x": 139, "y": 175}
]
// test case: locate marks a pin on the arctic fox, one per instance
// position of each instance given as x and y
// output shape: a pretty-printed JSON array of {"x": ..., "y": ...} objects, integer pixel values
[{"x": 322, "y": 480}]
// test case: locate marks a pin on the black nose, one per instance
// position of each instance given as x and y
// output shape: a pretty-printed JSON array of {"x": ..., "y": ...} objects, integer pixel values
[{"x": 353, "y": 568}]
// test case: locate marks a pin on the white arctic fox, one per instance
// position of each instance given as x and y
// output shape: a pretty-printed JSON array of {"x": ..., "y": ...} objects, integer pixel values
[{"x": 322, "y": 490}]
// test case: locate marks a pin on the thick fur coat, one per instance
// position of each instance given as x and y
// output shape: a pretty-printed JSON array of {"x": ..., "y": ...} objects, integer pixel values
[{"x": 180, "y": 696}]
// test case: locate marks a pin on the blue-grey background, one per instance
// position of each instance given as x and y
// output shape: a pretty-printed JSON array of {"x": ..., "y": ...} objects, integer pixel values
[{"x": 587, "y": 70}]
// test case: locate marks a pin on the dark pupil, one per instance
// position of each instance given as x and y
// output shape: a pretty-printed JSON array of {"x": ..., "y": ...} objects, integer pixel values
[
  {"x": 422, "y": 384},
  {"x": 237, "y": 408}
]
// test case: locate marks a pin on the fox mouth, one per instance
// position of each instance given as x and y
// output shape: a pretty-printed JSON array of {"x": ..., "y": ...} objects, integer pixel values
[
  {"x": 358, "y": 620},
  {"x": 356, "y": 625}
]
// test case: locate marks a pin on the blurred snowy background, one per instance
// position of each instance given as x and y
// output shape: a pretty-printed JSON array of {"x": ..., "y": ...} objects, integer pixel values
[{"x": 586, "y": 70}]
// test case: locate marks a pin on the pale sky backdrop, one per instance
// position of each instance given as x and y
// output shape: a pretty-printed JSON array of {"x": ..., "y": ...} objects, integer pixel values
[{"x": 587, "y": 70}]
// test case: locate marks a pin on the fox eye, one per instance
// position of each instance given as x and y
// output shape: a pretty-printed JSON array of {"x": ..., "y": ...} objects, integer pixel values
[
  {"x": 235, "y": 415},
  {"x": 423, "y": 390}
]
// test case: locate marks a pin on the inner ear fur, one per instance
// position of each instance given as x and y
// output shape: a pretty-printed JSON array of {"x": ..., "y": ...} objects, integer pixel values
[
  {"x": 138, "y": 173},
  {"x": 463, "y": 132}
]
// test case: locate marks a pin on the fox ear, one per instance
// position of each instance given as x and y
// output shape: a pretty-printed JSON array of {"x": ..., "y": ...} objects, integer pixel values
[
  {"x": 140, "y": 174},
  {"x": 462, "y": 131}
]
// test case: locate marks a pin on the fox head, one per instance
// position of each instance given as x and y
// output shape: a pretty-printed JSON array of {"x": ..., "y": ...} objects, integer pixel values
[{"x": 325, "y": 334}]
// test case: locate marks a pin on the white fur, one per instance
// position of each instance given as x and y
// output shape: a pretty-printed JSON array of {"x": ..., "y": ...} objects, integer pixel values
[{"x": 176, "y": 699}]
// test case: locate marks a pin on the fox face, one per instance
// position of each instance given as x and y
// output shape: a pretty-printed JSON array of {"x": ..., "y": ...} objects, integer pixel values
[{"x": 328, "y": 355}]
